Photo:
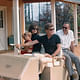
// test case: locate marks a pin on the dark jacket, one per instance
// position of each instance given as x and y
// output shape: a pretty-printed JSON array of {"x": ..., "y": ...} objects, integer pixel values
[{"x": 36, "y": 47}]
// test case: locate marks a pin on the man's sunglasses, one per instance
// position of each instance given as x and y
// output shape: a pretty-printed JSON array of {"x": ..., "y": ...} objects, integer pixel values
[
  {"x": 51, "y": 29},
  {"x": 64, "y": 27}
]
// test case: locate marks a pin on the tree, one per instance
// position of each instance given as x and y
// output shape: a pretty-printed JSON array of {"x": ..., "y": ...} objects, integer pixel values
[
  {"x": 64, "y": 13},
  {"x": 78, "y": 16},
  {"x": 45, "y": 15}
]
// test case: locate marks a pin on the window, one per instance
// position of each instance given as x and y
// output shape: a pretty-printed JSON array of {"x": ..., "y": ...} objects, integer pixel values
[{"x": 1, "y": 19}]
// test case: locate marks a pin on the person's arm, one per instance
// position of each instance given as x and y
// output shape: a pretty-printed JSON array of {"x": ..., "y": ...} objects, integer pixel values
[
  {"x": 57, "y": 50},
  {"x": 48, "y": 55},
  {"x": 30, "y": 43},
  {"x": 72, "y": 46},
  {"x": 72, "y": 41}
]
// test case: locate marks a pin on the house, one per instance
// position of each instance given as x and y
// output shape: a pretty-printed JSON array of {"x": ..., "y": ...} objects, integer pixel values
[{"x": 12, "y": 21}]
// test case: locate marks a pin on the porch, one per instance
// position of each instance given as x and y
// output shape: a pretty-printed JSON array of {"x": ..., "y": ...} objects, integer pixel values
[
  {"x": 10, "y": 51},
  {"x": 14, "y": 22}
]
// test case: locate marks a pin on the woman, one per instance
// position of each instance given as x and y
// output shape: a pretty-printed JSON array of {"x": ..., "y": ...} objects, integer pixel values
[{"x": 33, "y": 28}]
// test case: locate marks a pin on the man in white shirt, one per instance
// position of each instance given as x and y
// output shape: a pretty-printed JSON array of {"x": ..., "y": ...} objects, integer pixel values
[{"x": 67, "y": 43}]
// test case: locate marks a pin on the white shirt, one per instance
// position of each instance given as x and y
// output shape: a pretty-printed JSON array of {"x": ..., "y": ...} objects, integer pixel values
[{"x": 66, "y": 39}]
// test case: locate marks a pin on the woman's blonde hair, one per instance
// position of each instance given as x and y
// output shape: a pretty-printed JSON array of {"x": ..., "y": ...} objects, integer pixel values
[{"x": 26, "y": 34}]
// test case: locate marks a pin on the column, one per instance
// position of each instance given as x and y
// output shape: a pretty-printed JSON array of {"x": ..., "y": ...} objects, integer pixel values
[
  {"x": 53, "y": 13},
  {"x": 75, "y": 24},
  {"x": 16, "y": 24}
]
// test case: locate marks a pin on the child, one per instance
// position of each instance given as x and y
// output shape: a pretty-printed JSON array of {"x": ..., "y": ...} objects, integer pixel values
[{"x": 26, "y": 49}]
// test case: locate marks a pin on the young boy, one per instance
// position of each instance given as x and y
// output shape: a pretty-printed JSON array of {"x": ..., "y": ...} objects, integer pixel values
[{"x": 25, "y": 49}]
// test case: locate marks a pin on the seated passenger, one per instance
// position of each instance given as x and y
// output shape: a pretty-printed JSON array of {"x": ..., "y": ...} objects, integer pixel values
[
  {"x": 67, "y": 42},
  {"x": 25, "y": 49},
  {"x": 34, "y": 29}
]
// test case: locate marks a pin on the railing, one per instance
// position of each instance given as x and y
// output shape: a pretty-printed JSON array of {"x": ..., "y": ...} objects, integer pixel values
[{"x": 78, "y": 35}]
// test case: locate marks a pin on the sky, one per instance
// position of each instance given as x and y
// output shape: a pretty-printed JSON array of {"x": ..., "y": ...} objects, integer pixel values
[
  {"x": 35, "y": 7},
  {"x": 35, "y": 11}
]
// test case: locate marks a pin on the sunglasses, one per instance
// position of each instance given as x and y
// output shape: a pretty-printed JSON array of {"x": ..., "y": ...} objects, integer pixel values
[
  {"x": 51, "y": 29},
  {"x": 35, "y": 29},
  {"x": 64, "y": 27}
]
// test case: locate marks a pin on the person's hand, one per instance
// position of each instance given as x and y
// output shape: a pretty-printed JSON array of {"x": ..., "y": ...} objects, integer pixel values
[
  {"x": 48, "y": 55},
  {"x": 18, "y": 46},
  {"x": 53, "y": 55},
  {"x": 63, "y": 57}
]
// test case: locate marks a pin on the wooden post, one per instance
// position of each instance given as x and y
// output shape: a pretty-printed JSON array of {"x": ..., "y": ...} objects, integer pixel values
[
  {"x": 75, "y": 24},
  {"x": 16, "y": 23},
  {"x": 53, "y": 13},
  {"x": 22, "y": 19}
]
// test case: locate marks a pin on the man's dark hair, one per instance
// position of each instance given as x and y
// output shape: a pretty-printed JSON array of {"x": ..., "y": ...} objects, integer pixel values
[
  {"x": 48, "y": 25},
  {"x": 66, "y": 23}
]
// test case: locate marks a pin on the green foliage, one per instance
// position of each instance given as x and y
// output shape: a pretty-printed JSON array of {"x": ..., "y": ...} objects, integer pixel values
[
  {"x": 63, "y": 14},
  {"x": 78, "y": 20}
]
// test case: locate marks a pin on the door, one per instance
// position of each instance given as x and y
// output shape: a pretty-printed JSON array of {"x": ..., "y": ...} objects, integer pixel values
[{"x": 3, "y": 38}]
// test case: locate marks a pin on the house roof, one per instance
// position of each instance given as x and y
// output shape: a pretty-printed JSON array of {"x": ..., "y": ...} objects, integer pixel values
[
  {"x": 31, "y": 1},
  {"x": 69, "y": 1}
]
